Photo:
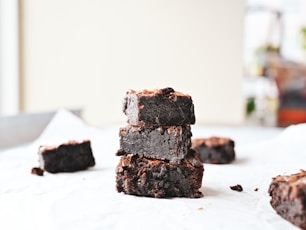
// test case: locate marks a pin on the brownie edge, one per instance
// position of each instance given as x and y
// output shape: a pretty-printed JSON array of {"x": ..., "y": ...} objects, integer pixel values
[{"x": 288, "y": 197}]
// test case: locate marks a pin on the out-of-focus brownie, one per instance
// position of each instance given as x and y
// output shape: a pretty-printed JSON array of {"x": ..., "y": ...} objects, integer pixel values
[
  {"x": 215, "y": 150},
  {"x": 288, "y": 197},
  {"x": 141, "y": 176},
  {"x": 68, "y": 157},
  {"x": 160, "y": 107},
  {"x": 164, "y": 143}
]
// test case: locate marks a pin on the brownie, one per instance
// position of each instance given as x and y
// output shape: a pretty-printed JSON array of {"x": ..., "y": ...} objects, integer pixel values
[
  {"x": 141, "y": 176},
  {"x": 237, "y": 188},
  {"x": 68, "y": 157},
  {"x": 164, "y": 142},
  {"x": 160, "y": 107},
  {"x": 288, "y": 197},
  {"x": 214, "y": 150}
]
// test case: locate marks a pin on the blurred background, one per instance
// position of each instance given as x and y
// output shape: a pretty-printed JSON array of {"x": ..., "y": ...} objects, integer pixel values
[{"x": 242, "y": 61}]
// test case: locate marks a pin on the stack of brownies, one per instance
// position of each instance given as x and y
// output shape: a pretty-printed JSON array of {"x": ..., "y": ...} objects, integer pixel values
[{"x": 155, "y": 146}]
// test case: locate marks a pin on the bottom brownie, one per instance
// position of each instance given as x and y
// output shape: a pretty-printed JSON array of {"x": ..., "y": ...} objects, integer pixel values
[
  {"x": 69, "y": 157},
  {"x": 137, "y": 175},
  {"x": 288, "y": 197},
  {"x": 215, "y": 150}
]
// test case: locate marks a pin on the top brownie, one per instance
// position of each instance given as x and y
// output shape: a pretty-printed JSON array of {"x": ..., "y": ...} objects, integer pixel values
[{"x": 158, "y": 107}]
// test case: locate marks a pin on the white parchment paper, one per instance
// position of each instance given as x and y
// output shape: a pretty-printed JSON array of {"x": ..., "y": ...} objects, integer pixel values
[{"x": 89, "y": 200}]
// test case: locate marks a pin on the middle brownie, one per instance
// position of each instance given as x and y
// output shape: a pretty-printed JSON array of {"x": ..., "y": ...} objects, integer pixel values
[{"x": 165, "y": 142}]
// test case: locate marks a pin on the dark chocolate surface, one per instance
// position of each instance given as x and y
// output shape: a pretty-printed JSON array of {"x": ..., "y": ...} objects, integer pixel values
[{"x": 164, "y": 143}]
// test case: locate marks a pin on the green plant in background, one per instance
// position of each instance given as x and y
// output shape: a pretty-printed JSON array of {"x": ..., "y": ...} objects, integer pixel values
[{"x": 250, "y": 106}]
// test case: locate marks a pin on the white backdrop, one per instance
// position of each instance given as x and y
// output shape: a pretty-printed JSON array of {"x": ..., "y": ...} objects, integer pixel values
[
  {"x": 87, "y": 54},
  {"x": 9, "y": 69}
]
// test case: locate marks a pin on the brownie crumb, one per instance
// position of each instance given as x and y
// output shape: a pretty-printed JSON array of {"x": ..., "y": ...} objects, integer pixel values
[
  {"x": 237, "y": 188},
  {"x": 256, "y": 189},
  {"x": 201, "y": 208},
  {"x": 37, "y": 171}
]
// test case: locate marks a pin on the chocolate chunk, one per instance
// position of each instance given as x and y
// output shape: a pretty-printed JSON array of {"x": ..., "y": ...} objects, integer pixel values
[{"x": 166, "y": 91}]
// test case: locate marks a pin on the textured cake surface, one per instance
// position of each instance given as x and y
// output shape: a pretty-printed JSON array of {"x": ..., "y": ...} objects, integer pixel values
[
  {"x": 137, "y": 175},
  {"x": 215, "y": 150},
  {"x": 68, "y": 157},
  {"x": 288, "y": 197},
  {"x": 164, "y": 143},
  {"x": 160, "y": 107}
]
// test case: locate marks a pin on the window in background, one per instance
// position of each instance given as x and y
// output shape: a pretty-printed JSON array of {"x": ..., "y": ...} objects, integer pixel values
[{"x": 9, "y": 67}]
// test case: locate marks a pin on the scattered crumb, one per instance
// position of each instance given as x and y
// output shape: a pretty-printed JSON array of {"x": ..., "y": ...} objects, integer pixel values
[
  {"x": 256, "y": 189},
  {"x": 37, "y": 171},
  {"x": 237, "y": 188},
  {"x": 201, "y": 208}
]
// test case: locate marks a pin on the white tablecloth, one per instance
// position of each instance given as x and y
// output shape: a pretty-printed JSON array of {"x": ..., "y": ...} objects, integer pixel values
[{"x": 89, "y": 200}]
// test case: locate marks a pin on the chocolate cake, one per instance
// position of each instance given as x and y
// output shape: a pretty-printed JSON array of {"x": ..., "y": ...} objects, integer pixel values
[
  {"x": 163, "y": 142},
  {"x": 214, "y": 150},
  {"x": 160, "y": 107},
  {"x": 288, "y": 197},
  {"x": 138, "y": 175},
  {"x": 68, "y": 157}
]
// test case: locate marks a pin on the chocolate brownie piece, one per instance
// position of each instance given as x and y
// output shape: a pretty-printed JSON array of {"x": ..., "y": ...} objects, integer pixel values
[
  {"x": 160, "y": 107},
  {"x": 164, "y": 142},
  {"x": 288, "y": 197},
  {"x": 141, "y": 176},
  {"x": 67, "y": 157},
  {"x": 214, "y": 150}
]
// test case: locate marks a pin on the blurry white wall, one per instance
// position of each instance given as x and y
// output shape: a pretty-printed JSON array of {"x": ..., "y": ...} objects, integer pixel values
[
  {"x": 9, "y": 60},
  {"x": 88, "y": 53}
]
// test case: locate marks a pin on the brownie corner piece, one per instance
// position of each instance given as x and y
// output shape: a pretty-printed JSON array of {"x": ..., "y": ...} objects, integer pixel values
[
  {"x": 141, "y": 176},
  {"x": 67, "y": 157},
  {"x": 160, "y": 107},
  {"x": 288, "y": 197},
  {"x": 215, "y": 150}
]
